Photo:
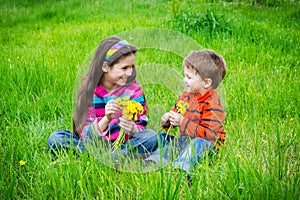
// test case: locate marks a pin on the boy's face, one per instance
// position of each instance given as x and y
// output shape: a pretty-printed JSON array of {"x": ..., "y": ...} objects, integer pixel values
[{"x": 194, "y": 83}]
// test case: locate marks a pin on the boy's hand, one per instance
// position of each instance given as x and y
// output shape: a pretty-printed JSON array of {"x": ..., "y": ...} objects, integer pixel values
[
  {"x": 165, "y": 120},
  {"x": 175, "y": 118}
]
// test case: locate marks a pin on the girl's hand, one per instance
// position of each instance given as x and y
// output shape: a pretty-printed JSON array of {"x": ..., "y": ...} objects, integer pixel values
[
  {"x": 175, "y": 118},
  {"x": 128, "y": 125},
  {"x": 111, "y": 108}
]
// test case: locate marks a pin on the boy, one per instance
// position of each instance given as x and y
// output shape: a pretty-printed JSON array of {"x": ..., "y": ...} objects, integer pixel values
[{"x": 198, "y": 113}]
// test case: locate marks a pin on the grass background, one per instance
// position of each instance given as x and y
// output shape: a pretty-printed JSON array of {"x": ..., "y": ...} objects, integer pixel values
[{"x": 45, "y": 43}]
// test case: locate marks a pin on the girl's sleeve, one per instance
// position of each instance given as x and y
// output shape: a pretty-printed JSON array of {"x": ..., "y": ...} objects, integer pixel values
[
  {"x": 138, "y": 96},
  {"x": 91, "y": 128}
]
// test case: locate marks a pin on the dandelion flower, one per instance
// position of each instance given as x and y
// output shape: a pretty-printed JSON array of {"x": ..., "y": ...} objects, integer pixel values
[
  {"x": 130, "y": 110},
  {"x": 22, "y": 162},
  {"x": 181, "y": 108}
]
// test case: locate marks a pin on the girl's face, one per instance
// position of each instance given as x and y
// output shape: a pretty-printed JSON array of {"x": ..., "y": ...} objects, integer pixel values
[
  {"x": 194, "y": 83},
  {"x": 118, "y": 74}
]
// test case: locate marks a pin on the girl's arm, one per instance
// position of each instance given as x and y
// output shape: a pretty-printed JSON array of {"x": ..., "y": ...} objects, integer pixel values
[{"x": 138, "y": 96}]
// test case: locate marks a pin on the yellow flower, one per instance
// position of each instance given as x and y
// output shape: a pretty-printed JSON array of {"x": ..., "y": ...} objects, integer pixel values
[
  {"x": 130, "y": 110},
  {"x": 182, "y": 106},
  {"x": 131, "y": 107},
  {"x": 22, "y": 162},
  {"x": 119, "y": 100}
]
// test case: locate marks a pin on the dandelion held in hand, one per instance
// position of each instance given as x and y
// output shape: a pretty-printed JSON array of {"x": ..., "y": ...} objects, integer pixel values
[
  {"x": 130, "y": 110},
  {"x": 181, "y": 108}
]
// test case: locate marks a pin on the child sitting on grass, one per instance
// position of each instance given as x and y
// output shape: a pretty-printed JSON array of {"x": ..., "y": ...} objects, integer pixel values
[{"x": 198, "y": 112}]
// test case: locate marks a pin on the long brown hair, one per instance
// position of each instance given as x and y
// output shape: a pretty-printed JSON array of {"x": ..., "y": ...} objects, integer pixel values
[{"x": 94, "y": 75}]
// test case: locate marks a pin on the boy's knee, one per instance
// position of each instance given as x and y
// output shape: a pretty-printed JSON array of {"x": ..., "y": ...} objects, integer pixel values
[
  {"x": 201, "y": 145},
  {"x": 201, "y": 142},
  {"x": 162, "y": 137}
]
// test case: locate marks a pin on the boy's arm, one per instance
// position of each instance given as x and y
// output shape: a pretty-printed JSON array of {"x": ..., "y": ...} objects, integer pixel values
[
  {"x": 165, "y": 120},
  {"x": 209, "y": 127}
]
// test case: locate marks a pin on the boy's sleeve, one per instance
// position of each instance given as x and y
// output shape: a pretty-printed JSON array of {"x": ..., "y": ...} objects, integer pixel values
[{"x": 210, "y": 125}]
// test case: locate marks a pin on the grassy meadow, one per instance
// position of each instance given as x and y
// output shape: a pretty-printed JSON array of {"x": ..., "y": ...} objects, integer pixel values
[{"x": 46, "y": 47}]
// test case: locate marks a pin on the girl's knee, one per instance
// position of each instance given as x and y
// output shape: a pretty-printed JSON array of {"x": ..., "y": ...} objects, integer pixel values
[{"x": 57, "y": 138}]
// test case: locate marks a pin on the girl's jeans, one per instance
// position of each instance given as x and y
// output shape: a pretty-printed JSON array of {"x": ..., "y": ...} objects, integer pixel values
[
  {"x": 189, "y": 151},
  {"x": 63, "y": 139},
  {"x": 143, "y": 142}
]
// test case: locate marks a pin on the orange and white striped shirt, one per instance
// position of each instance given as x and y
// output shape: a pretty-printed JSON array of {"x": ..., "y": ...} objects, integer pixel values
[{"x": 204, "y": 117}]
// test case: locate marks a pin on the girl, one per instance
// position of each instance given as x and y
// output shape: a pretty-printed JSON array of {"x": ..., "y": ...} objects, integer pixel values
[{"x": 112, "y": 74}]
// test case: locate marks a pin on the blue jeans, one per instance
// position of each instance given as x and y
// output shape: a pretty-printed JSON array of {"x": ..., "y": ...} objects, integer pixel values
[
  {"x": 187, "y": 151},
  {"x": 63, "y": 139},
  {"x": 142, "y": 142}
]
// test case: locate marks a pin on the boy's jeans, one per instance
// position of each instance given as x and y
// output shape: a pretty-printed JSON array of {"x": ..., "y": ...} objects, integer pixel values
[{"x": 190, "y": 151}]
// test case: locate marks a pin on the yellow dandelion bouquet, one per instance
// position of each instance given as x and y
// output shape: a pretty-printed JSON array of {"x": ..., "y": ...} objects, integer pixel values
[
  {"x": 181, "y": 108},
  {"x": 130, "y": 110}
]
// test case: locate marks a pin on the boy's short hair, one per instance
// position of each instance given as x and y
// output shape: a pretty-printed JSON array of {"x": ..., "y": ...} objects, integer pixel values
[{"x": 208, "y": 64}]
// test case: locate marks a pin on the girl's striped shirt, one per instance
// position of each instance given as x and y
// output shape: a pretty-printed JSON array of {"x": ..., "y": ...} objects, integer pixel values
[{"x": 96, "y": 111}]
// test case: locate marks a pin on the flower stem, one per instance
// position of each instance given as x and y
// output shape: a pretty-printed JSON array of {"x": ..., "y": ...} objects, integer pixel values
[
  {"x": 120, "y": 140},
  {"x": 169, "y": 129}
]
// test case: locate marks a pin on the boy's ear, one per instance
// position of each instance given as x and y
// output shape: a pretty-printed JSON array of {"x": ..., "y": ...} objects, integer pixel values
[
  {"x": 207, "y": 83},
  {"x": 105, "y": 67}
]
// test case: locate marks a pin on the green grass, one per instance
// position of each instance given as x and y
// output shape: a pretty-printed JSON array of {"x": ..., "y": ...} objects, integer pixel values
[{"x": 45, "y": 45}]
